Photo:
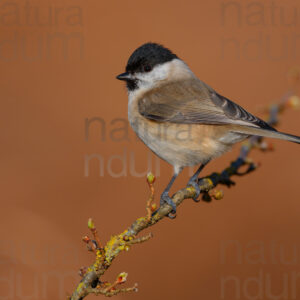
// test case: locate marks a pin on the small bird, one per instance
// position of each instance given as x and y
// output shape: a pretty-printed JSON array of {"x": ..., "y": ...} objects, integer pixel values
[{"x": 182, "y": 119}]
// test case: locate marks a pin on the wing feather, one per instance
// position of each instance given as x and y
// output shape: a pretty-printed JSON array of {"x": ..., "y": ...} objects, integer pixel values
[{"x": 194, "y": 102}]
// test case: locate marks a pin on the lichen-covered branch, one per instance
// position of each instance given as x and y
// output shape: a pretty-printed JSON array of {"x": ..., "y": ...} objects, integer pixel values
[{"x": 91, "y": 282}]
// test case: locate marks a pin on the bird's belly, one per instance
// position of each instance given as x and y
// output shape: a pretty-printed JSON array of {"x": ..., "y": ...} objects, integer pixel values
[{"x": 184, "y": 144}]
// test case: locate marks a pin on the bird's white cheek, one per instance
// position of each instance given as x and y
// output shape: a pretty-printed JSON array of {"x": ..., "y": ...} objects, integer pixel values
[{"x": 159, "y": 74}]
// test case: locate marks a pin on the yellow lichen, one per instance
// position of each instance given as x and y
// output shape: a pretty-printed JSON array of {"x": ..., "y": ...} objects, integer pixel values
[
  {"x": 210, "y": 181},
  {"x": 140, "y": 220},
  {"x": 115, "y": 245},
  {"x": 80, "y": 285},
  {"x": 191, "y": 189}
]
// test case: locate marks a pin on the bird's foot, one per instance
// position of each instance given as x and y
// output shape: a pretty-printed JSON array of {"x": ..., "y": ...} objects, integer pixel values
[
  {"x": 165, "y": 198},
  {"x": 194, "y": 184}
]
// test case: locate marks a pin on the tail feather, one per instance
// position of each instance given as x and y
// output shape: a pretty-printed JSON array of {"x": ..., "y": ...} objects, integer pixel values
[{"x": 268, "y": 133}]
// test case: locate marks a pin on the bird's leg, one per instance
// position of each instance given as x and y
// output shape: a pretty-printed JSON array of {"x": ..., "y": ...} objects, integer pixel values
[
  {"x": 194, "y": 181},
  {"x": 165, "y": 198}
]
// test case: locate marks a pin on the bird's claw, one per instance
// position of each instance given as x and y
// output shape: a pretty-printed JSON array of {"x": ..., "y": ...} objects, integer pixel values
[
  {"x": 195, "y": 185},
  {"x": 165, "y": 198}
]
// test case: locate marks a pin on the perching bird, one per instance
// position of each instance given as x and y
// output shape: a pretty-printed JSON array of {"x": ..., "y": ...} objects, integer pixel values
[{"x": 180, "y": 118}]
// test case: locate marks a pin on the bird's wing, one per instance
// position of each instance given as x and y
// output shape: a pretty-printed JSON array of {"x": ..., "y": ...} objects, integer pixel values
[{"x": 194, "y": 102}]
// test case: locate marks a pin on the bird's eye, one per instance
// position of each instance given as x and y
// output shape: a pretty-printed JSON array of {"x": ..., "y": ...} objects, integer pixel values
[{"x": 147, "y": 68}]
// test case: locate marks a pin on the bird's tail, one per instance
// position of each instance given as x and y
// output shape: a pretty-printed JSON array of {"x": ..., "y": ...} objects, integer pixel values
[{"x": 267, "y": 133}]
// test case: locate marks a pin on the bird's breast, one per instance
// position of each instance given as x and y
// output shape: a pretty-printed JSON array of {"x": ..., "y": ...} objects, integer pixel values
[{"x": 182, "y": 144}]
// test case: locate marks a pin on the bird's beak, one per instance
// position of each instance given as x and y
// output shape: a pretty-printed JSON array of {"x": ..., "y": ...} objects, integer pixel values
[{"x": 124, "y": 76}]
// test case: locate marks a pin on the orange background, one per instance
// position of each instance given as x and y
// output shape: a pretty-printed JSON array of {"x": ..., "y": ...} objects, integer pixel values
[{"x": 46, "y": 199}]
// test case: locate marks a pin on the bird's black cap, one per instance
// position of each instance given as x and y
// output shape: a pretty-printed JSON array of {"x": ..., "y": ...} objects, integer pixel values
[{"x": 147, "y": 56}]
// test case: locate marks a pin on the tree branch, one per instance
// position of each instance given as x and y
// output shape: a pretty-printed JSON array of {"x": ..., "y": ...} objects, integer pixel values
[{"x": 91, "y": 277}]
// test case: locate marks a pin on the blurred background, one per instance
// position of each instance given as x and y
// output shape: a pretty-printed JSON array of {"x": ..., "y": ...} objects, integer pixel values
[{"x": 67, "y": 151}]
